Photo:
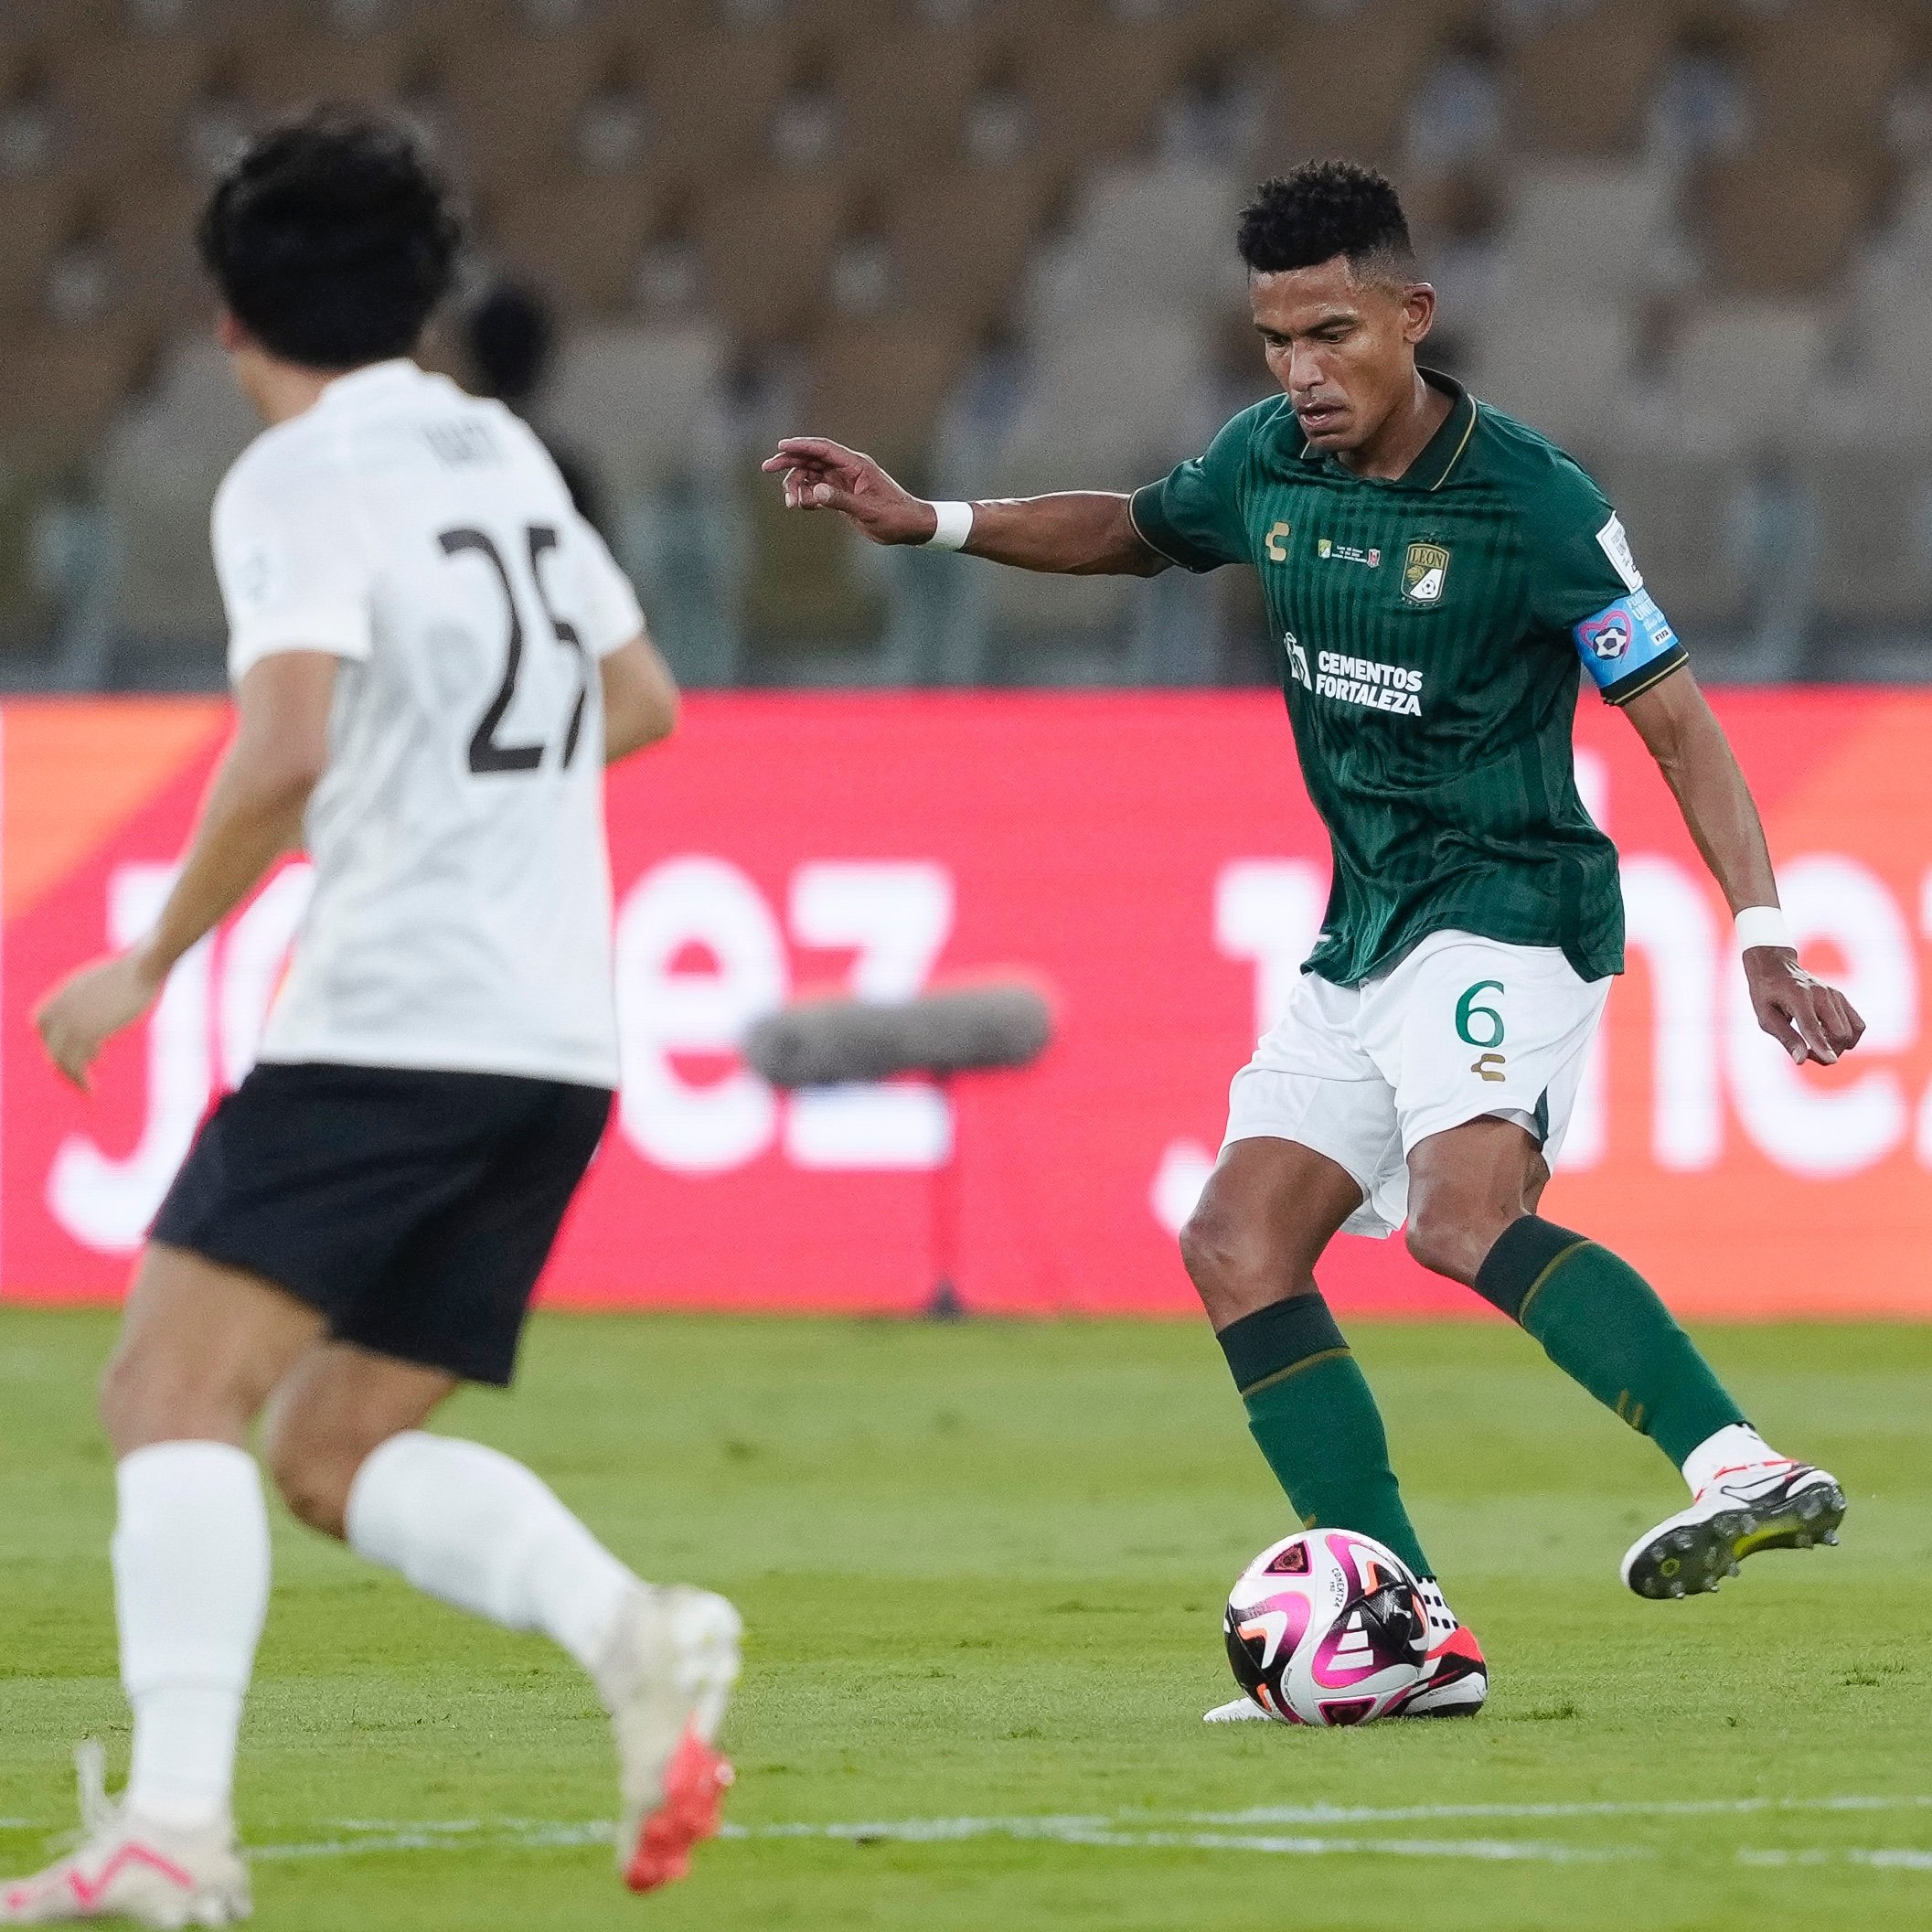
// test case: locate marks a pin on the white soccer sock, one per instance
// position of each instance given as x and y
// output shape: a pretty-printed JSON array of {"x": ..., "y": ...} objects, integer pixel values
[
  {"x": 479, "y": 1530},
  {"x": 191, "y": 1577},
  {"x": 1735, "y": 1446}
]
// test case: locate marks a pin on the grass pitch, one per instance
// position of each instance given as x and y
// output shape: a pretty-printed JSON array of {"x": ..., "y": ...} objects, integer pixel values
[{"x": 983, "y": 1568}]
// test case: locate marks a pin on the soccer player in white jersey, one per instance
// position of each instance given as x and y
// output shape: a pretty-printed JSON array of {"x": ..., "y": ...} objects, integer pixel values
[{"x": 433, "y": 658}]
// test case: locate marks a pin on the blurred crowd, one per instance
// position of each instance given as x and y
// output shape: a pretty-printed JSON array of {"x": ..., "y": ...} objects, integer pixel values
[{"x": 990, "y": 241}]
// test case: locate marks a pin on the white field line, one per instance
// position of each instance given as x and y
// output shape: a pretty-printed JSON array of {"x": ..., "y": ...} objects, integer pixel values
[
  {"x": 1487, "y": 1849},
  {"x": 1894, "y": 1859},
  {"x": 369, "y": 1837},
  {"x": 1661, "y": 1807},
  {"x": 1094, "y": 1833}
]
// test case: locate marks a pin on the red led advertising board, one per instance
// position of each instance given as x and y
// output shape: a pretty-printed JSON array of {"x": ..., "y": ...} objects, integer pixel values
[{"x": 1153, "y": 861}]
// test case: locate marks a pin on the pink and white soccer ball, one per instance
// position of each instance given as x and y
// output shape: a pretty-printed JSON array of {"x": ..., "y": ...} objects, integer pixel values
[{"x": 1327, "y": 1628}]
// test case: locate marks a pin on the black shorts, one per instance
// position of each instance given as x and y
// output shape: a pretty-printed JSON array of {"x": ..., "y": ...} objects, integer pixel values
[{"x": 414, "y": 1209}]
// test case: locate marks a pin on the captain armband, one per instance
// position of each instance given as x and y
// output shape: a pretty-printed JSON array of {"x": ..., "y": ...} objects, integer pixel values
[{"x": 1627, "y": 646}]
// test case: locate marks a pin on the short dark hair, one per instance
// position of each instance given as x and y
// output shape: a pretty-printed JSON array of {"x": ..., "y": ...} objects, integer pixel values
[
  {"x": 511, "y": 334},
  {"x": 1322, "y": 209},
  {"x": 331, "y": 238}
]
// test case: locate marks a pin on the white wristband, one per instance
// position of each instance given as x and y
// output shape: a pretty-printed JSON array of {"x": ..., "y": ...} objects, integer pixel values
[
  {"x": 1762, "y": 925},
  {"x": 955, "y": 525}
]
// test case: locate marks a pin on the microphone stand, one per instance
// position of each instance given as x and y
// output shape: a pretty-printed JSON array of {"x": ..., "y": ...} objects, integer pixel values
[{"x": 946, "y": 1302}]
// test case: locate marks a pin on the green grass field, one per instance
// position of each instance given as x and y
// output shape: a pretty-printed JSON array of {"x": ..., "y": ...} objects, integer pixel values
[{"x": 982, "y": 1568}]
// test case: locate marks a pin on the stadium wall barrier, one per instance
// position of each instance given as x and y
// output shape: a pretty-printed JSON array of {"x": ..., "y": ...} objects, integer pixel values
[{"x": 1150, "y": 857}]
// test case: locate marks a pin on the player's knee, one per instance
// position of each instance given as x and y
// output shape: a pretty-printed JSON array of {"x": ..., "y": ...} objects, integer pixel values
[
  {"x": 1228, "y": 1264},
  {"x": 119, "y": 1399},
  {"x": 315, "y": 1487},
  {"x": 1444, "y": 1238},
  {"x": 314, "y": 1471},
  {"x": 151, "y": 1394},
  {"x": 1203, "y": 1249}
]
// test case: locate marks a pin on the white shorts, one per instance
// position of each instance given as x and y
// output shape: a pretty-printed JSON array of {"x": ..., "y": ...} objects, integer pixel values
[{"x": 1459, "y": 1029}]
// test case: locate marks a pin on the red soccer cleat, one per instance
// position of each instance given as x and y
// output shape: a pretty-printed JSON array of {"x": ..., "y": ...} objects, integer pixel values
[
  {"x": 666, "y": 1675},
  {"x": 695, "y": 1783},
  {"x": 1456, "y": 1680}
]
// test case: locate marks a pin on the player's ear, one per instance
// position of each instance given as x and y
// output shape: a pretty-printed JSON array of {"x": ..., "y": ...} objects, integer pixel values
[{"x": 1418, "y": 311}]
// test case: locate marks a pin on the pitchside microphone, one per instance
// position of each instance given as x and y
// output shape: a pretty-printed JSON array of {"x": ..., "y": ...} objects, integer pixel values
[
  {"x": 968, "y": 1029},
  {"x": 974, "y": 1029}
]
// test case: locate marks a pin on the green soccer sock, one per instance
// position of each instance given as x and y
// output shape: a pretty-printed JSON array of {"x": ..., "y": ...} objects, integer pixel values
[
  {"x": 1602, "y": 1324},
  {"x": 1310, "y": 1410}
]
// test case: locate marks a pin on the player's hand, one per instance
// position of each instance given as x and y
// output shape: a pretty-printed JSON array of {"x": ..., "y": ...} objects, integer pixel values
[
  {"x": 824, "y": 476},
  {"x": 89, "y": 1007},
  {"x": 1810, "y": 1019}
]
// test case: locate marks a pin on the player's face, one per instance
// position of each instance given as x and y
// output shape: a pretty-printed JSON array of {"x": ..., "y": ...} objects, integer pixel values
[{"x": 1343, "y": 350}]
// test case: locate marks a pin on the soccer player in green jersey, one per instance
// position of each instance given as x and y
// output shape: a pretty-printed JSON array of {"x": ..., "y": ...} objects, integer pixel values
[{"x": 1435, "y": 573}]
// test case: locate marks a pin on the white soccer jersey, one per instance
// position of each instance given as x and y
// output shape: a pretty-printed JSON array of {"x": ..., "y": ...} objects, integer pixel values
[{"x": 461, "y": 918}]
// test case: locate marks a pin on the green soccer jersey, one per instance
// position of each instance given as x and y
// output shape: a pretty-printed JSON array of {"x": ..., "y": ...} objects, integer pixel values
[{"x": 1431, "y": 630}]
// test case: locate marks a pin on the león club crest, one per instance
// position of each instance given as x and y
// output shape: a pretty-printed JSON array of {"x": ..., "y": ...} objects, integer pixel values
[{"x": 1423, "y": 573}]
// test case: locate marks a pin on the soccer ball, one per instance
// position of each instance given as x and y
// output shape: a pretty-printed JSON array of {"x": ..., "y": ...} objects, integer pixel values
[{"x": 1327, "y": 1628}]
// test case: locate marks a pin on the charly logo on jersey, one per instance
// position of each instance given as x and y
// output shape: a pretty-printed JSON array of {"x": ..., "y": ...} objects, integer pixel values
[
  {"x": 1277, "y": 543},
  {"x": 1425, "y": 573},
  {"x": 1330, "y": 551}
]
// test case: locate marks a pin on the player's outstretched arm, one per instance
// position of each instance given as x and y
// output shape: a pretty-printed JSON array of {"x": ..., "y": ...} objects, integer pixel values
[
  {"x": 640, "y": 698},
  {"x": 252, "y": 814},
  {"x": 1080, "y": 533},
  {"x": 1810, "y": 1019}
]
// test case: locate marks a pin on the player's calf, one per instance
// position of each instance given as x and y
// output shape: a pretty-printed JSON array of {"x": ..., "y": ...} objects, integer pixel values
[
  {"x": 333, "y": 1410},
  {"x": 471, "y": 1526}
]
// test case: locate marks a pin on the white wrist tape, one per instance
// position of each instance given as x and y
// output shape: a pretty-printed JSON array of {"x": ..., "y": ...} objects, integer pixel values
[
  {"x": 1762, "y": 925},
  {"x": 955, "y": 525}
]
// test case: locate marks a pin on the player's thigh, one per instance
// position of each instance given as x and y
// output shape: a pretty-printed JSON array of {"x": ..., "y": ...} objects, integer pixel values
[
  {"x": 1312, "y": 1093},
  {"x": 457, "y": 1292},
  {"x": 201, "y": 1346},
  {"x": 1269, "y": 1209},
  {"x": 1466, "y": 1185},
  {"x": 336, "y": 1406}
]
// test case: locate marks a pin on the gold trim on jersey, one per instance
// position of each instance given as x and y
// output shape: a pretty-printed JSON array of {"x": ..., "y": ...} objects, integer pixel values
[{"x": 1475, "y": 411}]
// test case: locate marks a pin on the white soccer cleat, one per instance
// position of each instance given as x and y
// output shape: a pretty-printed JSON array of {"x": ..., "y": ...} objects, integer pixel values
[
  {"x": 1243, "y": 1710},
  {"x": 666, "y": 1676},
  {"x": 128, "y": 1869},
  {"x": 1761, "y": 1506}
]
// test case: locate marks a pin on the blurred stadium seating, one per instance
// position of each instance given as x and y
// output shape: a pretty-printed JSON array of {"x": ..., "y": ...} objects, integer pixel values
[{"x": 989, "y": 240}]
